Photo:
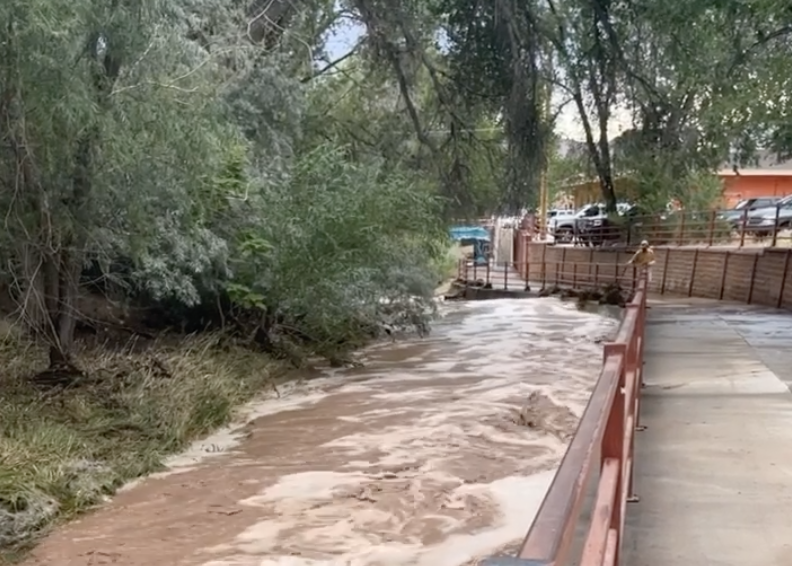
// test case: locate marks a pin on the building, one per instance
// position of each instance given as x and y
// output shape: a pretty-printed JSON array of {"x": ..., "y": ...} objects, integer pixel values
[
  {"x": 749, "y": 183},
  {"x": 767, "y": 176}
]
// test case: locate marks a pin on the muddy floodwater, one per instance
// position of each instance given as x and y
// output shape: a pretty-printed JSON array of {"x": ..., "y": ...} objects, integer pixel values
[{"x": 436, "y": 453}]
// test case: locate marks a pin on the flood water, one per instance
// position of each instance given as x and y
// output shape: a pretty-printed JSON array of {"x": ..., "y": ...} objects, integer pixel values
[{"x": 436, "y": 453}]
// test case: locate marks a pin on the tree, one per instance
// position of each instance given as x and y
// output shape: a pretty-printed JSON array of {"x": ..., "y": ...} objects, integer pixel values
[
  {"x": 160, "y": 146},
  {"x": 94, "y": 123}
]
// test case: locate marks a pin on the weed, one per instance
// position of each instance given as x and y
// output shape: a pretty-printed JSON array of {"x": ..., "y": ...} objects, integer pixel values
[{"x": 65, "y": 450}]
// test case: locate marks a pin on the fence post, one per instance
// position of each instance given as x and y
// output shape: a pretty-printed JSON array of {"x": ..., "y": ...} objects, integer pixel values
[
  {"x": 693, "y": 272},
  {"x": 563, "y": 264},
  {"x": 783, "y": 280},
  {"x": 574, "y": 275},
  {"x": 713, "y": 216},
  {"x": 544, "y": 264},
  {"x": 753, "y": 278},
  {"x": 489, "y": 279},
  {"x": 775, "y": 226},
  {"x": 723, "y": 275},
  {"x": 506, "y": 276},
  {"x": 681, "y": 240},
  {"x": 743, "y": 222},
  {"x": 665, "y": 271}
]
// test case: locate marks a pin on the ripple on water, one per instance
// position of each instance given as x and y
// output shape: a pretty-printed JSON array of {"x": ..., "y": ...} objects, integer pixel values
[
  {"x": 435, "y": 466},
  {"x": 437, "y": 452}
]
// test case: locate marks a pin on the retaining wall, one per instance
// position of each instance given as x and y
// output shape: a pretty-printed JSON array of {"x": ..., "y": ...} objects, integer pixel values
[{"x": 756, "y": 276}]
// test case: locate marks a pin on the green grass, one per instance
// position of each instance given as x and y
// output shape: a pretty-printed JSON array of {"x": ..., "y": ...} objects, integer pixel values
[{"x": 64, "y": 451}]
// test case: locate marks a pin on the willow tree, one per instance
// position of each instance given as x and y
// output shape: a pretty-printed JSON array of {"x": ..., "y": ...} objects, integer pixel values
[
  {"x": 107, "y": 131},
  {"x": 499, "y": 61}
]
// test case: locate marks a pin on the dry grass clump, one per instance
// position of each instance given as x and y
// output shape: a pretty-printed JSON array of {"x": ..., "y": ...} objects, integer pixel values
[{"x": 65, "y": 449}]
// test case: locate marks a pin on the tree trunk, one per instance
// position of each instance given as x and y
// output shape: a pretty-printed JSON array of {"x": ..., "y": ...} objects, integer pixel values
[{"x": 599, "y": 152}]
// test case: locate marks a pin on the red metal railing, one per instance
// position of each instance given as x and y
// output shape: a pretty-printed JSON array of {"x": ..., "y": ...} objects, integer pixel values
[
  {"x": 602, "y": 449},
  {"x": 566, "y": 274}
]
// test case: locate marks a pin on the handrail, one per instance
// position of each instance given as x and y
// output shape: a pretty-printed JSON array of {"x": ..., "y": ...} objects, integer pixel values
[
  {"x": 549, "y": 273},
  {"x": 604, "y": 438}
]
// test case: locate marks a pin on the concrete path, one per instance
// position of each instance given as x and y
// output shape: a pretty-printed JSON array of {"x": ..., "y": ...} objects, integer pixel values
[{"x": 714, "y": 468}]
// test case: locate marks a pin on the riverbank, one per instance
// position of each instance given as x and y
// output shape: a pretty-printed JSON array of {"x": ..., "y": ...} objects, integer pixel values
[
  {"x": 436, "y": 451},
  {"x": 64, "y": 450}
]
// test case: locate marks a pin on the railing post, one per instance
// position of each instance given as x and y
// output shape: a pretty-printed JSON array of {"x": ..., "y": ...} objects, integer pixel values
[
  {"x": 713, "y": 217},
  {"x": 544, "y": 274},
  {"x": 783, "y": 280},
  {"x": 681, "y": 240},
  {"x": 693, "y": 272},
  {"x": 563, "y": 265},
  {"x": 506, "y": 277},
  {"x": 475, "y": 269},
  {"x": 526, "y": 262},
  {"x": 544, "y": 265},
  {"x": 775, "y": 226},
  {"x": 487, "y": 282},
  {"x": 665, "y": 271},
  {"x": 743, "y": 222},
  {"x": 753, "y": 279}
]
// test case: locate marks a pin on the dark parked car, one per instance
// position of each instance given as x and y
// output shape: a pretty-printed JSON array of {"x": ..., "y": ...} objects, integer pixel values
[
  {"x": 567, "y": 228},
  {"x": 744, "y": 209},
  {"x": 597, "y": 231},
  {"x": 765, "y": 221}
]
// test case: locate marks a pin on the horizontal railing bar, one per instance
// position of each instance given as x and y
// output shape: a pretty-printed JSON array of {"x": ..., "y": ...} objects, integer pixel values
[
  {"x": 549, "y": 538},
  {"x": 607, "y": 489},
  {"x": 554, "y": 521}
]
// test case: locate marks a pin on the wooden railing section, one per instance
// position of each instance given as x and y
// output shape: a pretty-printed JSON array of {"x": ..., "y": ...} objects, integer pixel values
[{"x": 601, "y": 450}]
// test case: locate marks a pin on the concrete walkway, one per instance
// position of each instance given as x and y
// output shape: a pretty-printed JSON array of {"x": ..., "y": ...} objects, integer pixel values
[{"x": 714, "y": 468}]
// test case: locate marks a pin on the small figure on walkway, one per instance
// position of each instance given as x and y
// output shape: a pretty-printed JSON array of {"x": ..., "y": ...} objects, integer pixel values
[{"x": 645, "y": 259}]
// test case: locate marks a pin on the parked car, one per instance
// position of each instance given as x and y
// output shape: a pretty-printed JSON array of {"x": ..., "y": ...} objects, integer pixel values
[
  {"x": 566, "y": 229},
  {"x": 745, "y": 207},
  {"x": 599, "y": 230},
  {"x": 556, "y": 216},
  {"x": 764, "y": 221}
]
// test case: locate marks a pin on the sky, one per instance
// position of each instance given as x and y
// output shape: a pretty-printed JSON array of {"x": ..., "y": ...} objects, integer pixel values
[{"x": 343, "y": 38}]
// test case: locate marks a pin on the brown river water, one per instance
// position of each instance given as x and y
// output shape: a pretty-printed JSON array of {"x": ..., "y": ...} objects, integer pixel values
[{"x": 437, "y": 452}]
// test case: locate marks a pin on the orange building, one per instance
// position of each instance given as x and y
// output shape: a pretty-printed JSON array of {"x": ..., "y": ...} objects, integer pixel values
[
  {"x": 745, "y": 183},
  {"x": 750, "y": 183}
]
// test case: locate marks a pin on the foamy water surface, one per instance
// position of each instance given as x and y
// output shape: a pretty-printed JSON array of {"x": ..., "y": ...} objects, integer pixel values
[{"x": 437, "y": 452}]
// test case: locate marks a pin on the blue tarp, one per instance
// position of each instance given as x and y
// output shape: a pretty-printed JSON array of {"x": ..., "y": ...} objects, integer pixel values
[
  {"x": 476, "y": 236},
  {"x": 460, "y": 233}
]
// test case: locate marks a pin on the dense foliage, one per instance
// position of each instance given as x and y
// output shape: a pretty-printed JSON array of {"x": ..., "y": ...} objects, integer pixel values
[
  {"x": 216, "y": 153},
  {"x": 165, "y": 151}
]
